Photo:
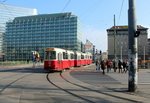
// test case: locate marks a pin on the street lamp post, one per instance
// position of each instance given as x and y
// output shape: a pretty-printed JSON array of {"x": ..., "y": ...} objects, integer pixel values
[{"x": 121, "y": 53}]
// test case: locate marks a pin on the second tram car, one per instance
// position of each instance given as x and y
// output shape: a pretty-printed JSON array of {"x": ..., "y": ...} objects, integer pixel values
[{"x": 58, "y": 59}]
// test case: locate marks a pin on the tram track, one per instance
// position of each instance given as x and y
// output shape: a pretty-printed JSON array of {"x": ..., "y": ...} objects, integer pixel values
[
  {"x": 67, "y": 91},
  {"x": 98, "y": 91},
  {"x": 81, "y": 95}
]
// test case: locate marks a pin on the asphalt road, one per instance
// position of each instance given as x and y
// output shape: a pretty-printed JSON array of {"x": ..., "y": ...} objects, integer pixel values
[{"x": 25, "y": 84}]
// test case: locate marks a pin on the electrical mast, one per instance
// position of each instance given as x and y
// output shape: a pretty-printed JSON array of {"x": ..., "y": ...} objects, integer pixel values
[{"x": 133, "y": 55}]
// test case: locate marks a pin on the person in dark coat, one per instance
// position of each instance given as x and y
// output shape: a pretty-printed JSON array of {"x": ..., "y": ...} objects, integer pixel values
[
  {"x": 120, "y": 66},
  {"x": 108, "y": 64},
  {"x": 103, "y": 66},
  {"x": 124, "y": 67},
  {"x": 115, "y": 65}
]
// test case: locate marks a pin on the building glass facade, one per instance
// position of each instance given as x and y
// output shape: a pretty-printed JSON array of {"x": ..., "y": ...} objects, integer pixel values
[
  {"x": 35, "y": 33},
  {"x": 8, "y": 13}
]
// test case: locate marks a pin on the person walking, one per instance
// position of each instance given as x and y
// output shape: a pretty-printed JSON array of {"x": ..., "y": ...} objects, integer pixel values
[
  {"x": 103, "y": 66},
  {"x": 97, "y": 65},
  {"x": 115, "y": 65},
  {"x": 108, "y": 64},
  {"x": 124, "y": 67},
  {"x": 127, "y": 66},
  {"x": 120, "y": 66}
]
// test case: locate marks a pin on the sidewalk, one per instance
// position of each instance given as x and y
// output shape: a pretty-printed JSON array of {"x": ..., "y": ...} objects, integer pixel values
[{"x": 116, "y": 82}]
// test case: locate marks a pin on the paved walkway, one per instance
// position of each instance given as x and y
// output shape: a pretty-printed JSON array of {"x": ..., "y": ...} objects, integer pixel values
[
  {"x": 112, "y": 86},
  {"x": 117, "y": 82},
  {"x": 2, "y": 67}
]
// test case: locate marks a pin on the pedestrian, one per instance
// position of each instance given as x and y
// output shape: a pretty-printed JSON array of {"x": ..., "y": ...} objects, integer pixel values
[
  {"x": 114, "y": 65},
  {"x": 108, "y": 64},
  {"x": 27, "y": 61},
  {"x": 97, "y": 65},
  {"x": 127, "y": 66},
  {"x": 103, "y": 66},
  {"x": 124, "y": 67},
  {"x": 120, "y": 66}
]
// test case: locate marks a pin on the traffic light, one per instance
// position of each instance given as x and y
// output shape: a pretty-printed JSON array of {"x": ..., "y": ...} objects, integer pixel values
[
  {"x": 137, "y": 33},
  {"x": 100, "y": 52}
]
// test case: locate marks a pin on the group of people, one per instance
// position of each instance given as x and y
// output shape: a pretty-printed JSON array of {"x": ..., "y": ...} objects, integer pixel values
[{"x": 122, "y": 66}]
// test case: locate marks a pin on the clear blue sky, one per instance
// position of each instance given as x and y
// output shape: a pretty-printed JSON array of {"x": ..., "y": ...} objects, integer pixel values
[{"x": 95, "y": 15}]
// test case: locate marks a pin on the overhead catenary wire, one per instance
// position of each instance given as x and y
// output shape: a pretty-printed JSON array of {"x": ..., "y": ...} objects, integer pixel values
[
  {"x": 66, "y": 5},
  {"x": 120, "y": 11},
  {"x": 91, "y": 8}
]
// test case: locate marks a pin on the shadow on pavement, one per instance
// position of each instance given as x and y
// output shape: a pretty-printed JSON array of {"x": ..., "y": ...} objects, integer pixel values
[{"x": 26, "y": 70}]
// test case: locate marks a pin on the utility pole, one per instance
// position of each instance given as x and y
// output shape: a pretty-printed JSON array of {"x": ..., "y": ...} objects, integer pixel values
[
  {"x": 115, "y": 37},
  {"x": 144, "y": 57},
  {"x": 93, "y": 54},
  {"x": 121, "y": 53},
  {"x": 133, "y": 55},
  {"x": 115, "y": 43}
]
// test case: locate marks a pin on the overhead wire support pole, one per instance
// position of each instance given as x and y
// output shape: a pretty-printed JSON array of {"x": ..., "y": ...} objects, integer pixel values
[
  {"x": 144, "y": 57},
  {"x": 115, "y": 40},
  {"x": 133, "y": 55}
]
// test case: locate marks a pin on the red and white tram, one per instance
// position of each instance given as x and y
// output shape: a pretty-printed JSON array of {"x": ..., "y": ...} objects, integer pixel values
[{"x": 58, "y": 59}]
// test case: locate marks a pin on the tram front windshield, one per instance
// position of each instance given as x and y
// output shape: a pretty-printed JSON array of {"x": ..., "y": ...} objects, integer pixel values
[{"x": 50, "y": 55}]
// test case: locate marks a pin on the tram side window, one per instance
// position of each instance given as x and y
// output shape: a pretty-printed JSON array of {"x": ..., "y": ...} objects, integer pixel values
[
  {"x": 90, "y": 57},
  {"x": 66, "y": 55},
  {"x": 72, "y": 56},
  {"x": 82, "y": 56}
]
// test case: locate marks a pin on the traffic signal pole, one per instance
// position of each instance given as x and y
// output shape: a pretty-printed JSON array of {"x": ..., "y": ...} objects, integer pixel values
[{"x": 133, "y": 55}]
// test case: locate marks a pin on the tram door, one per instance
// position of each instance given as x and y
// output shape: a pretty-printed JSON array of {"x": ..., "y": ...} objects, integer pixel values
[{"x": 60, "y": 60}]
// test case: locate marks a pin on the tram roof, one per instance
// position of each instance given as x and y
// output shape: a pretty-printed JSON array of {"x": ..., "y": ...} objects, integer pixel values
[{"x": 58, "y": 49}]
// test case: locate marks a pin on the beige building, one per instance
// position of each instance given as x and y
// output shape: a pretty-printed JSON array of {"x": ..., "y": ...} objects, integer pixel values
[{"x": 120, "y": 40}]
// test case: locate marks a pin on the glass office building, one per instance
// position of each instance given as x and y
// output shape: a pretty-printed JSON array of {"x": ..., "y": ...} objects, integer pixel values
[
  {"x": 35, "y": 33},
  {"x": 8, "y": 13}
]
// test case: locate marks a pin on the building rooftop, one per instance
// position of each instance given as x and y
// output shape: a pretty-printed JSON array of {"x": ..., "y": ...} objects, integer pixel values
[
  {"x": 67, "y": 14},
  {"x": 125, "y": 27}
]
